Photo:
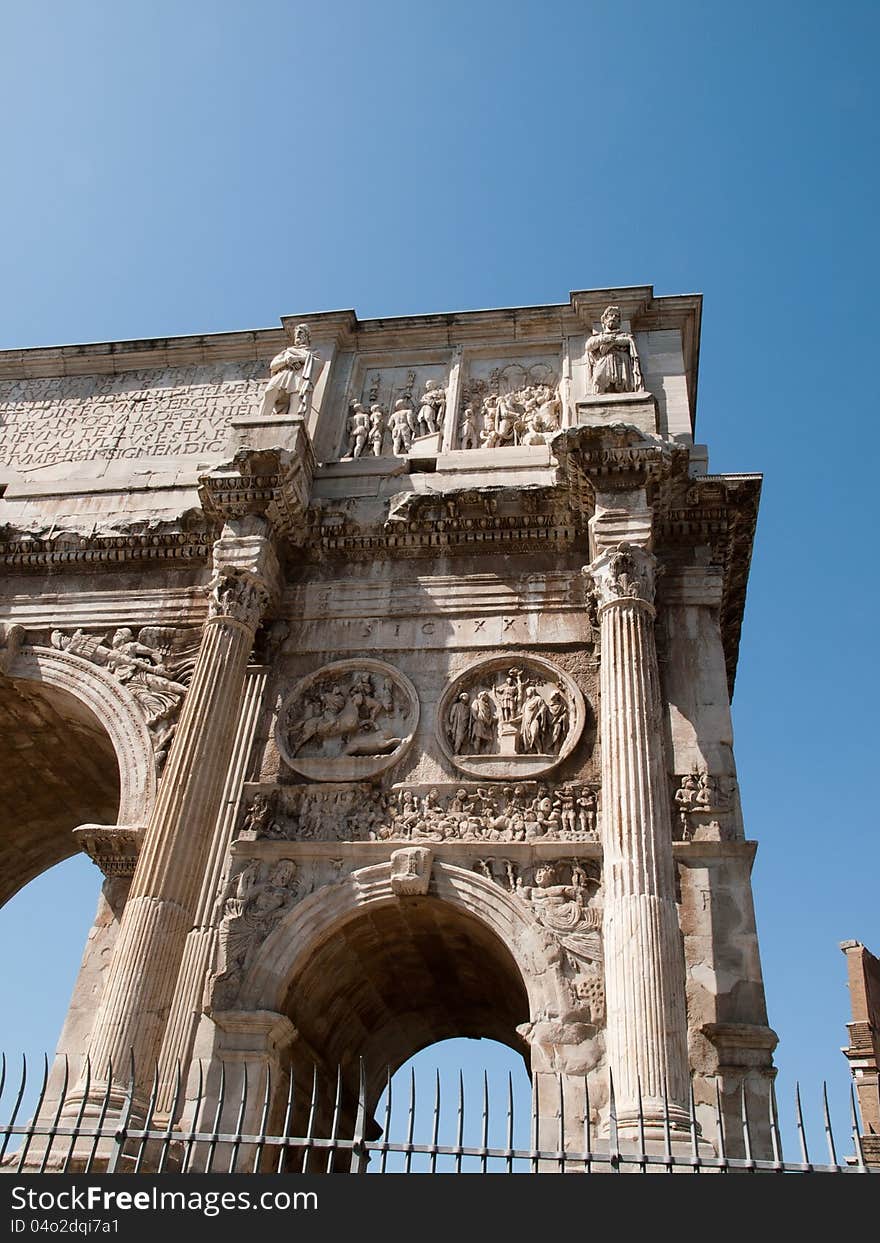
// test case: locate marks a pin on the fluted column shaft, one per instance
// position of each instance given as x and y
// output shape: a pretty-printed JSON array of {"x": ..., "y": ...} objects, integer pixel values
[
  {"x": 646, "y": 1033},
  {"x": 163, "y": 901}
]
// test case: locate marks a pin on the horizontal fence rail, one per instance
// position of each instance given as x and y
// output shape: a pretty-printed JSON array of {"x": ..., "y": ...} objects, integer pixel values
[{"x": 79, "y": 1123}]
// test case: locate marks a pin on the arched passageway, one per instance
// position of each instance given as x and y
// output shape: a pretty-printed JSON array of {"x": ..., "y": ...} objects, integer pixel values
[
  {"x": 59, "y": 770},
  {"x": 398, "y": 977}
]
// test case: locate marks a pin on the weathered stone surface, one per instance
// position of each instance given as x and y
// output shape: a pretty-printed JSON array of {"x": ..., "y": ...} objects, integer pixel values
[{"x": 297, "y": 644}]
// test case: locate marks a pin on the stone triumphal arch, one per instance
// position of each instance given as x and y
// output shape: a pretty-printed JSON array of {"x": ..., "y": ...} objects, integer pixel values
[{"x": 384, "y": 668}]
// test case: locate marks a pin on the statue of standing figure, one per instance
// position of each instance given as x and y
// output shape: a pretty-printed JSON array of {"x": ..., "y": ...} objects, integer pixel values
[
  {"x": 402, "y": 426},
  {"x": 431, "y": 409},
  {"x": 612, "y": 357},
  {"x": 292, "y": 374},
  {"x": 377, "y": 430},
  {"x": 358, "y": 429}
]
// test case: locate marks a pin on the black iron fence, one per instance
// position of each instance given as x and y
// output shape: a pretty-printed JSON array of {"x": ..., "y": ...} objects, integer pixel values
[{"x": 77, "y": 1124}]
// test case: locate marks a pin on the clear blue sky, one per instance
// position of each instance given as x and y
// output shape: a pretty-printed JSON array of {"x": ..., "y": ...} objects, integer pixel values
[{"x": 181, "y": 168}]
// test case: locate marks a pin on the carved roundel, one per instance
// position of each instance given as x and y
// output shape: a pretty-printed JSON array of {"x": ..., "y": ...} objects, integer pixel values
[
  {"x": 348, "y": 721},
  {"x": 512, "y": 716}
]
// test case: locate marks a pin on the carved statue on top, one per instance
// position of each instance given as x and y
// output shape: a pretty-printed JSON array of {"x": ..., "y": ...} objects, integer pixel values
[
  {"x": 292, "y": 376},
  {"x": 156, "y": 667},
  {"x": 468, "y": 436},
  {"x": 612, "y": 358},
  {"x": 402, "y": 427}
]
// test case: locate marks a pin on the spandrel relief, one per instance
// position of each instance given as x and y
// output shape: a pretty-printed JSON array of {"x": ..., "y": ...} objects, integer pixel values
[
  {"x": 357, "y": 812},
  {"x": 348, "y": 721},
  {"x": 510, "y": 405},
  {"x": 506, "y": 719},
  {"x": 564, "y": 898},
  {"x": 155, "y": 665}
]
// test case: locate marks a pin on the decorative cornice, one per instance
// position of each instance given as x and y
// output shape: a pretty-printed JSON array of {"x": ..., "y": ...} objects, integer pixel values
[
  {"x": 613, "y": 458},
  {"x": 272, "y": 483},
  {"x": 22, "y": 551}
]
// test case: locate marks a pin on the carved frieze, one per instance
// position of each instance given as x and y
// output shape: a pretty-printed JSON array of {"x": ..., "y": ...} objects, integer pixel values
[
  {"x": 698, "y": 801},
  {"x": 510, "y": 718},
  {"x": 156, "y": 667},
  {"x": 348, "y": 721},
  {"x": 393, "y": 407},
  {"x": 516, "y": 403},
  {"x": 358, "y": 812}
]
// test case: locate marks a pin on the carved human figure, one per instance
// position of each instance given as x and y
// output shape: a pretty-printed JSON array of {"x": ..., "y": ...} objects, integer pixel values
[
  {"x": 586, "y": 810},
  {"x": 483, "y": 721},
  {"x": 377, "y": 430},
  {"x": 556, "y": 726},
  {"x": 431, "y": 409},
  {"x": 358, "y": 429},
  {"x": 534, "y": 720},
  {"x": 509, "y": 694},
  {"x": 459, "y": 725},
  {"x": 562, "y": 910},
  {"x": 468, "y": 436},
  {"x": 292, "y": 374},
  {"x": 541, "y": 417},
  {"x": 612, "y": 357},
  {"x": 489, "y": 434},
  {"x": 402, "y": 427}
]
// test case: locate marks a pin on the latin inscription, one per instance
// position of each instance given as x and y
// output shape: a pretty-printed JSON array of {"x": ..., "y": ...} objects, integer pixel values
[{"x": 171, "y": 412}]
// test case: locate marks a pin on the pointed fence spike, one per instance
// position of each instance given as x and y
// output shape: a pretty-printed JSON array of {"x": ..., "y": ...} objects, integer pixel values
[
  {"x": 613, "y": 1137},
  {"x": 358, "y": 1153},
  {"x": 386, "y": 1130},
  {"x": 775, "y": 1135},
  {"x": 435, "y": 1124},
  {"x": 196, "y": 1119},
  {"x": 53, "y": 1129},
  {"x": 587, "y": 1140},
  {"x": 218, "y": 1113},
  {"x": 288, "y": 1115},
  {"x": 459, "y": 1138},
  {"x": 509, "y": 1122},
  {"x": 310, "y": 1125},
  {"x": 239, "y": 1123},
  {"x": 719, "y": 1125},
  {"x": 151, "y": 1108},
  {"x": 411, "y": 1121},
  {"x": 21, "y": 1087},
  {"x": 30, "y": 1131},
  {"x": 172, "y": 1114},
  {"x": 826, "y": 1116},
  {"x": 264, "y": 1119},
  {"x": 643, "y": 1161},
  {"x": 799, "y": 1118},
  {"x": 102, "y": 1116},
  {"x": 485, "y": 1126},
  {"x": 80, "y": 1113},
  {"x": 334, "y": 1128},
  {"x": 747, "y": 1130}
]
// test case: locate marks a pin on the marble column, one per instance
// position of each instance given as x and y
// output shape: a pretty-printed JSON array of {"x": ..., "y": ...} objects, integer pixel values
[
  {"x": 163, "y": 902},
  {"x": 646, "y": 1036}
]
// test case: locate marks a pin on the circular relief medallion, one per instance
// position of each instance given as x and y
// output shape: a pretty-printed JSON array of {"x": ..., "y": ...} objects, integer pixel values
[
  {"x": 515, "y": 717},
  {"x": 348, "y": 721}
]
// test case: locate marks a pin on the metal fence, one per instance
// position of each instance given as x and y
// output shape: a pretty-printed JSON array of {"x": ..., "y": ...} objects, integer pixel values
[{"x": 326, "y": 1129}]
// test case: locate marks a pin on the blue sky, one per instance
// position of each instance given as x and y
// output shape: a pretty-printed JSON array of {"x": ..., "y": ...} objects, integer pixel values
[{"x": 181, "y": 168}]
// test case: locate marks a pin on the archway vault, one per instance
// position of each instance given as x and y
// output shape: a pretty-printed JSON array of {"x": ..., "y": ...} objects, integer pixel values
[
  {"x": 76, "y": 750},
  {"x": 361, "y": 972}
]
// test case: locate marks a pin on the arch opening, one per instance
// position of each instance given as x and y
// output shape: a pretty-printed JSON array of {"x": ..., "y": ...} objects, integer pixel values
[
  {"x": 395, "y": 978},
  {"x": 60, "y": 771}
]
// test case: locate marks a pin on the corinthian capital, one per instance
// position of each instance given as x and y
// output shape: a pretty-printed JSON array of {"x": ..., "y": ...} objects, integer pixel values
[
  {"x": 240, "y": 595},
  {"x": 623, "y": 573}
]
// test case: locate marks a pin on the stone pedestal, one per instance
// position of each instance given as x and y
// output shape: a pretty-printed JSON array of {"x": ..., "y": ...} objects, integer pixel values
[{"x": 634, "y": 409}]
